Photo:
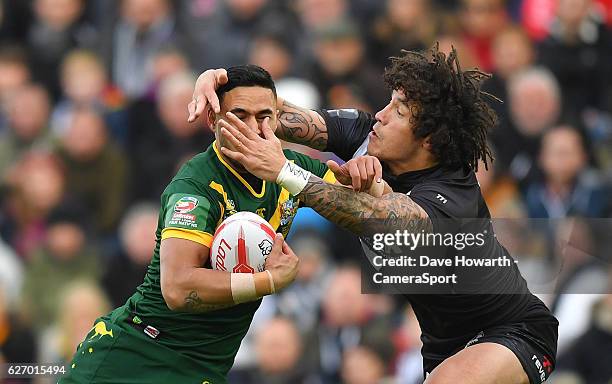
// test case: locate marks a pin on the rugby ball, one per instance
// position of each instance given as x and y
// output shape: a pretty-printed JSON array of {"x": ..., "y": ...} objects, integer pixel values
[{"x": 242, "y": 243}]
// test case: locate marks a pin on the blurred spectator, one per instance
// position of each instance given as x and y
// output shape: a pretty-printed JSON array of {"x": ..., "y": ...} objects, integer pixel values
[
  {"x": 317, "y": 14},
  {"x": 79, "y": 304},
  {"x": 361, "y": 365},
  {"x": 65, "y": 257},
  {"x": 578, "y": 53},
  {"x": 273, "y": 52},
  {"x": 58, "y": 28},
  {"x": 405, "y": 24},
  {"x": 85, "y": 84},
  {"x": 512, "y": 52},
  {"x": 481, "y": 21},
  {"x": 28, "y": 115},
  {"x": 15, "y": 18},
  {"x": 587, "y": 361},
  {"x": 95, "y": 168},
  {"x": 36, "y": 185},
  {"x": 347, "y": 321},
  {"x": 341, "y": 71},
  {"x": 279, "y": 334},
  {"x": 17, "y": 340},
  {"x": 500, "y": 192},
  {"x": 168, "y": 60},
  {"x": 582, "y": 279},
  {"x": 11, "y": 274},
  {"x": 127, "y": 270},
  {"x": 144, "y": 27},
  {"x": 534, "y": 103},
  {"x": 14, "y": 72},
  {"x": 226, "y": 42},
  {"x": 408, "y": 341},
  {"x": 168, "y": 135},
  {"x": 567, "y": 187},
  {"x": 301, "y": 301}
]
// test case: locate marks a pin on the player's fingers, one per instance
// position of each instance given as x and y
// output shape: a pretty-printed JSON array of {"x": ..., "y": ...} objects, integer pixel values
[
  {"x": 277, "y": 246},
  {"x": 237, "y": 156},
  {"x": 235, "y": 132},
  {"x": 220, "y": 76},
  {"x": 210, "y": 98},
  {"x": 241, "y": 126},
  {"x": 267, "y": 130},
  {"x": 366, "y": 178},
  {"x": 233, "y": 140},
  {"x": 377, "y": 170},
  {"x": 287, "y": 249},
  {"x": 191, "y": 109},
  {"x": 339, "y": 172},
  {"x": 355, "y": 176}
]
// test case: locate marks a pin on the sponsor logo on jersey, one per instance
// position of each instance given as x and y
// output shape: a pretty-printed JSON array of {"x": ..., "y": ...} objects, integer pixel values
[
  {"x": 443, "y": 199},
  {"x": 544, "y": 369},
  {"x": 185, "y": 204},
  {"x": 100, "y": 330}
]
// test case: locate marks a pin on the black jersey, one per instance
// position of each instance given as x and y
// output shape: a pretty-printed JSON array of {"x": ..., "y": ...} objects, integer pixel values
[{"x": 444, "y": 194}]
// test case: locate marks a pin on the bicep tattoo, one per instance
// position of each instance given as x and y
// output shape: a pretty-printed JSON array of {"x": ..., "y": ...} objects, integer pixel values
[{"x": 301, "y": 126}]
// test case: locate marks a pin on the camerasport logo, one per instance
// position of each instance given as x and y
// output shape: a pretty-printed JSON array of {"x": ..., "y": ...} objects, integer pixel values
[{"x": 185, "y": 204}]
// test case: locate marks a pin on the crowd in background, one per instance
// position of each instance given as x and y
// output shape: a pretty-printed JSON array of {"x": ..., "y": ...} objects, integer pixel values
[{"x": 93, "y": 125}]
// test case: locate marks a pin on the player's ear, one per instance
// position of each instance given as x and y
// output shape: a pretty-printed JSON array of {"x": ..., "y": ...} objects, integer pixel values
[
  {"x": 211, "y": 118},
  {"x": 427, "y": 143}
]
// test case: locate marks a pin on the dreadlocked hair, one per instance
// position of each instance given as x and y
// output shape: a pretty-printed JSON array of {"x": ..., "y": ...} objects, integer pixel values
[{"x": 446, "y": 105}]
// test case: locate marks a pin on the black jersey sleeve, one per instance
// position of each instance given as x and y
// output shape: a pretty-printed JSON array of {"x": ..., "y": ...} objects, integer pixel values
[
  {"x": 457, "y": 197},
  {"x": 347, "y": 129}
]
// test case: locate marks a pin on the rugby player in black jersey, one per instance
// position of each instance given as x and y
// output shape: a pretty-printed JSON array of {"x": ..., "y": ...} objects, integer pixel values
[{"x": 429, "y": 139}]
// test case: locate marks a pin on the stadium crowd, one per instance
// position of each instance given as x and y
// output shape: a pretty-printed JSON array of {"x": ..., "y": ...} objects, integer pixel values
[{"x": 93, "y": 125}]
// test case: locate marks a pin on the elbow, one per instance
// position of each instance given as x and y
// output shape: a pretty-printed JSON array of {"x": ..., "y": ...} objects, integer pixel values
[{"x": 173, "y": 298}]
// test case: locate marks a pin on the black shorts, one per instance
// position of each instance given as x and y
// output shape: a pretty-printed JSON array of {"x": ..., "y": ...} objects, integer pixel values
[{"x": 533, "y": 341}]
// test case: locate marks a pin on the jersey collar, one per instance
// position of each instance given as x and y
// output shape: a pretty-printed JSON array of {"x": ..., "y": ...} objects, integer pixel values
[{"x": 237, "y": 174}]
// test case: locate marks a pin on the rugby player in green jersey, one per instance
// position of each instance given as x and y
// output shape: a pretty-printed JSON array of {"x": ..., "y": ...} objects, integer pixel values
[{"x": 185, "y": 323}]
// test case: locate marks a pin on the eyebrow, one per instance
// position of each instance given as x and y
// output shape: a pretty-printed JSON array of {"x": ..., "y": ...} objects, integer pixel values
[{"x": 266, "y": 111}]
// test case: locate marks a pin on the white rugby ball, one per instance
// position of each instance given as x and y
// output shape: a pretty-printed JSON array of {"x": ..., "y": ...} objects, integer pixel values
[{"x": 242, "y": 243}]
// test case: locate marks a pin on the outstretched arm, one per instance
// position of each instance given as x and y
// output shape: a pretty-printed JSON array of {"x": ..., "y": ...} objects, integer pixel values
[
  {"x": 264, "y": 158},
  {"x": 350, "y": 209},
  {"x": 295, "y": 124}
]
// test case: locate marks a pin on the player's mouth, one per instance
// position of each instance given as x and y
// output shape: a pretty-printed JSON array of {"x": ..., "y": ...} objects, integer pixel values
[{"x": 373, "y": 134}]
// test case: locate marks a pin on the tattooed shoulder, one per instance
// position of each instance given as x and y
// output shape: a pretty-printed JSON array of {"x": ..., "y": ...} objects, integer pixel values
[{"x": 302, "y": 126}]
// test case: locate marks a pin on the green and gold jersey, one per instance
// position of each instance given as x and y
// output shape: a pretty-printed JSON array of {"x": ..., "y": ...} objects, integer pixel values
[{"x": 204, "y": 192}]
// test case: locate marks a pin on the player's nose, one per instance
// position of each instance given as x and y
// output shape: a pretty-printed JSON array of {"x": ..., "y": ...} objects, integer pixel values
[{"x": 380, "y": 115}]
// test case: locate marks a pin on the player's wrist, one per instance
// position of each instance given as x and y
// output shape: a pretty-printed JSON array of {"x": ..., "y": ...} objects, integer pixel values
[
  {"x": 293, "y": 178},
  {"x": 264, "y": 283}
]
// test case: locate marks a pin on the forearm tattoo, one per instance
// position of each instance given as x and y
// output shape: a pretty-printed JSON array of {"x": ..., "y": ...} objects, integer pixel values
[
  {"x": 301, "y": 126},
  {"x": 193, "y": 303},
  {"x": 361, "y": 213}
]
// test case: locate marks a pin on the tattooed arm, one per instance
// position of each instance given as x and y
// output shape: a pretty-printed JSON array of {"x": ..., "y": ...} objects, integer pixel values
[
  {"x": 188, "y": 287},
  {"x": 352, "y": 210},
  {"x": 300, "y": 125}
]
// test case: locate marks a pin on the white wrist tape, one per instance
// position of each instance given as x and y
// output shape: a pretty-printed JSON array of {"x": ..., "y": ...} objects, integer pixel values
[
  {"x": 293, "y": 178},
  {"x": 272, "y": 288},
  {"x": 243, "y": 287}
]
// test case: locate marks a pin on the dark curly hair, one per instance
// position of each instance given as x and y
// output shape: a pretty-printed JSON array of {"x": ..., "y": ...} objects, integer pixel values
[{"x": 446, "y": 104}]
